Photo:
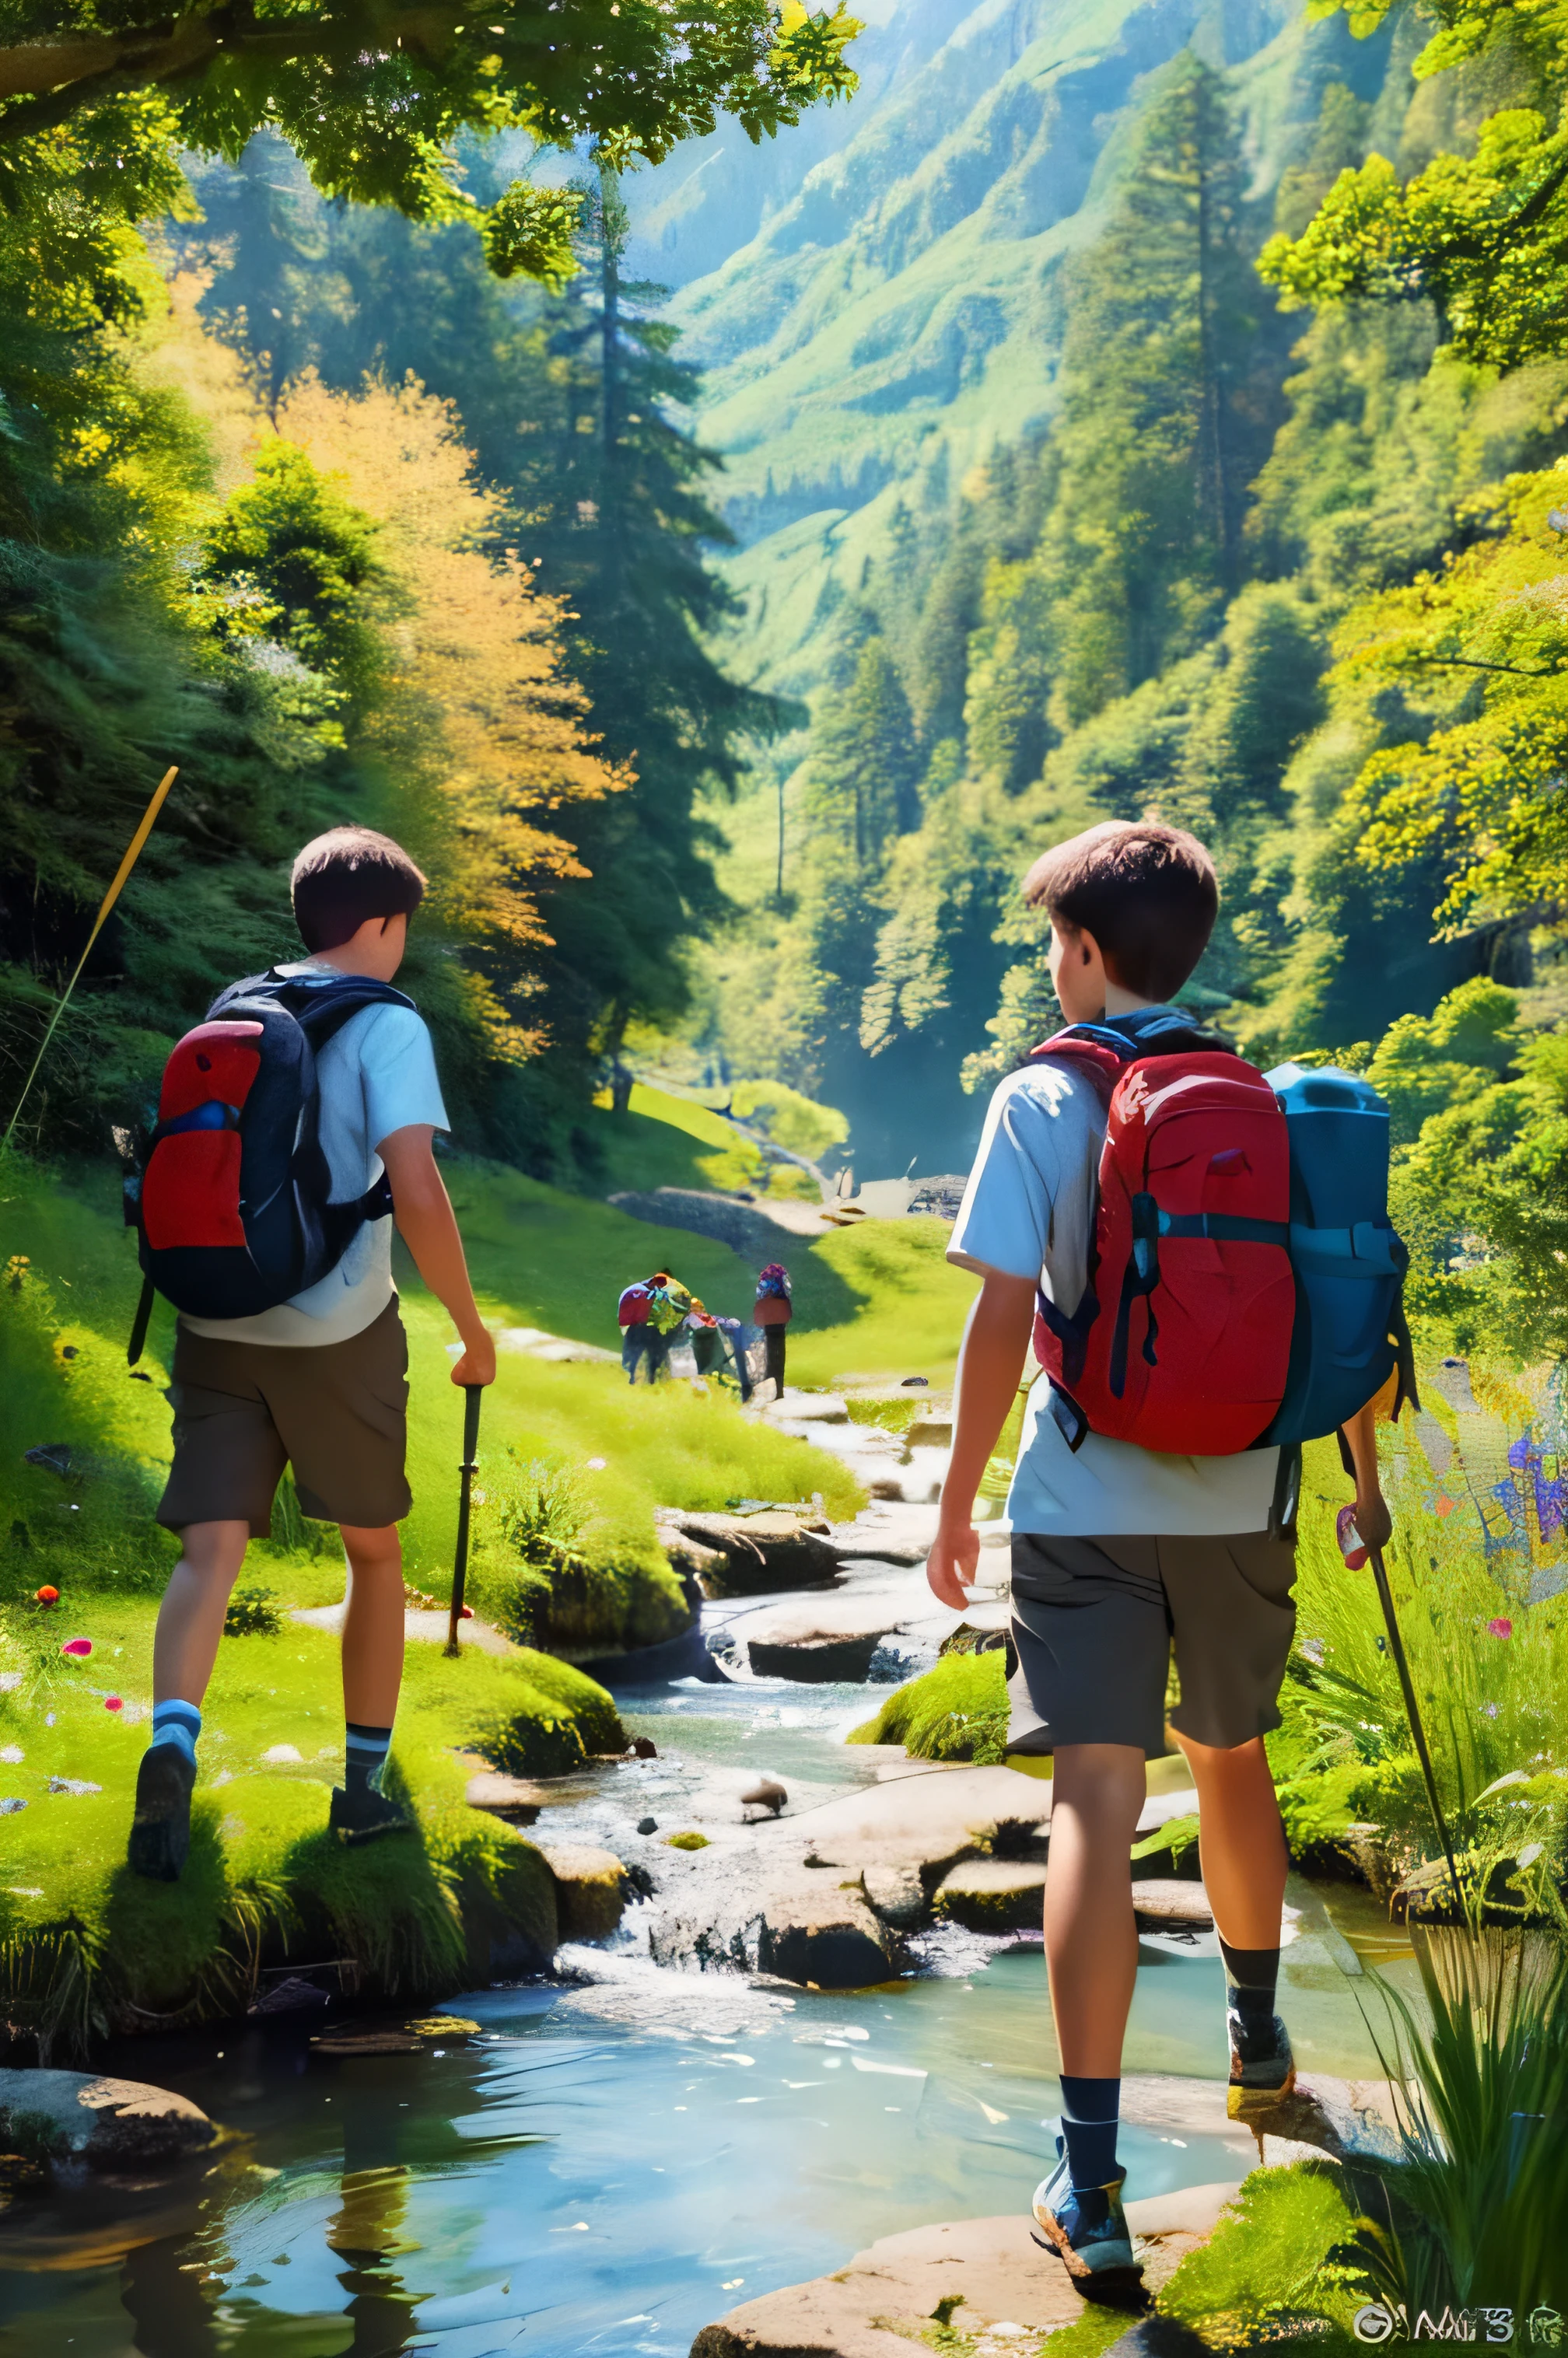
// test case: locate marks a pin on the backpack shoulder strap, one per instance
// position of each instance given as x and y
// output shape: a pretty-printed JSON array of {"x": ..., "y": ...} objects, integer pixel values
[{"x": 320, "y": 1006}]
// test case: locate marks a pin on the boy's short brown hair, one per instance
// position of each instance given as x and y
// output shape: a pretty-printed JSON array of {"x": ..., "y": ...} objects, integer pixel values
[
  {"x": 346, "y": 876},
  {"x": 1146, "y": 891}
]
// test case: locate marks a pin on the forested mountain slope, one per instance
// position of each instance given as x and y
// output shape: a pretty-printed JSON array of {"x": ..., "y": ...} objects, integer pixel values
[
  {"x": 1054, "y": 513},
  {"x": 904, "y": 310}
]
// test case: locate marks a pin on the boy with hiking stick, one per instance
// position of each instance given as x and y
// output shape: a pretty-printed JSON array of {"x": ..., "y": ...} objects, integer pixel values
[
  {"x": 1165, "y": 1309},
  {"x": 291, "y": 1124}
]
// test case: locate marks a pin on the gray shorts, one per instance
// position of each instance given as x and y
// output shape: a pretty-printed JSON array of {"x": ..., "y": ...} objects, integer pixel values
[{"x": 1094, "y": 1622}]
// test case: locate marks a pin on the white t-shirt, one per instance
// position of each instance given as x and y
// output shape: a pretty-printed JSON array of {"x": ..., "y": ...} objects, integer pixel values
[
  {"x": 377, "y": 1075},
  {"x": 1029, "y": 1211}
]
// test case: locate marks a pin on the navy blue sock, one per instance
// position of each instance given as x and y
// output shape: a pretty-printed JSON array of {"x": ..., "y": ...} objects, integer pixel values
[
  {"x": 1090, "y": 2117},
  {"x": 178, "y": 1724},
  {"x": 365, "y": 1757},
  {"x": 1254, "y": 1977}
]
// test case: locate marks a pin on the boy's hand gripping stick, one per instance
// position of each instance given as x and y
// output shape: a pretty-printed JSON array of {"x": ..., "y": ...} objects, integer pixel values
[
  {"x": 472, "y": 1395},
  {"x": 1356, "y": 1551}
]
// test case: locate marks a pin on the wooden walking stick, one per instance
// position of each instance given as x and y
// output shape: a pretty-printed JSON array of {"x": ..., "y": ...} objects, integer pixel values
[
  {"x": 472, "y": 1395},
  {"x": 133, "y": 854}
]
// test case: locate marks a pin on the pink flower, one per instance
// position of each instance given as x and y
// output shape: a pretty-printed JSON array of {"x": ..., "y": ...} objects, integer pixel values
[
  {"x": 79, "y": 1647},
  {"x": 1499, "y": 1628},
  {"x": 113, "y": 1703}
]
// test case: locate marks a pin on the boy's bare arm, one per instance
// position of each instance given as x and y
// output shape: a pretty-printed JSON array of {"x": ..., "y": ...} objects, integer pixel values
[
  {"x": 990, "y": 1363},
  {"x": 1373, "y": 1519},
  {"x": 429, "y": 1227}
]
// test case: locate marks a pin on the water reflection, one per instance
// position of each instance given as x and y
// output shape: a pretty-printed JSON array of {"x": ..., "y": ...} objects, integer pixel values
[{"x": 610, "y": 2165}]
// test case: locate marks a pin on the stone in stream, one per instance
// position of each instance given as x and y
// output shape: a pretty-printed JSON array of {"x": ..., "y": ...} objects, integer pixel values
[
  {"x": 1169, "y": 1903},
  {"x": 591, "y": 1890},
  {"x": 993, "y": 1895},
  {"x": 929, "y": 1817},
  {"x": 761, "y": 1553},
  {"x": 514, "y": 1799},
  {"x": 987, "y": 2279},
  {"x": 897, "y": 1894},
  {"x": 647, "y": 1825},
  {"x": 80, "y": 2116},
  {"x": 732, "y": 1913},
  {"x": 829, "y": 1638}
]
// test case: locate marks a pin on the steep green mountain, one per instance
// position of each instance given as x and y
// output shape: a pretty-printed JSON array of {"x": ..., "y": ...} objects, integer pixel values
[{"x": 903, "y": 311}]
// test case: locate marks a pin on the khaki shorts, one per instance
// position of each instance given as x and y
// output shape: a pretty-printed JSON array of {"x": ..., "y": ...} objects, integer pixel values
[
  {"x": 1094, "y": 1622},
  {"x": 244, "y": 1411}
]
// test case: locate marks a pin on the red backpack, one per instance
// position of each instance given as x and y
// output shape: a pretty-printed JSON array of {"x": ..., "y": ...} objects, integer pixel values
[{"x": 1182, "y": 1342}]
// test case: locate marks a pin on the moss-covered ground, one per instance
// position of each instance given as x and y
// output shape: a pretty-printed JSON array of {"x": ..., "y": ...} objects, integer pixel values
[{"x": 82, "y": 1945}]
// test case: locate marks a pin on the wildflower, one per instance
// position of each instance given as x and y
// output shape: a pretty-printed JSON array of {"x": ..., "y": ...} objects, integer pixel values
[
  {"x": 45, "y": 1596},
  {"x": 78, "y": 1646},
  {"x": 114, "y": 1703},
  {"x": 1501, "y": 1627}
]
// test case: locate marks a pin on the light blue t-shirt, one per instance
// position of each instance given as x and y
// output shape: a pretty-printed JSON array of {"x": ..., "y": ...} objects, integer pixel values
[
  {"x": 1029, "y": 1211},
  {"x": 376, "y": 1075}
]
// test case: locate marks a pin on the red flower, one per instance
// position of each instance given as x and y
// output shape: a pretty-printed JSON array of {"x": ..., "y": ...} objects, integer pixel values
[
  {"x": 113, "y": 1703},
  {"x": 79, "y": 1647},
  {"x": 47, "y": 1595},
  {"x": 1499, "y": 1628}
]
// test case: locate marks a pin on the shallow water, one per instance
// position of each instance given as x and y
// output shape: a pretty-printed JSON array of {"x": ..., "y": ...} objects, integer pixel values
[{"x": 619, "y": 2160}]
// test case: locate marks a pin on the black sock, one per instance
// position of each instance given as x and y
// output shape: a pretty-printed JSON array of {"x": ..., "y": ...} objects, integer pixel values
[
  {"x": 1090, "y": 2111},
  {"x": 366, "y": 1750},
  {"x": 1254, "y": 1976}
]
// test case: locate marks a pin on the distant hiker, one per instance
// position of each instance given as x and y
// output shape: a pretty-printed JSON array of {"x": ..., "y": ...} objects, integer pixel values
[
  {"x": 668, "y": 1303},
  {"x": 638, "y": 1336},
  {"x": 772, "y": 1313},
  {"x": 706, "y": 1342},
  {"x": 737, "y": 1334},
  {"x": 1153, "y": 1209},
  {"x": 293, "y": 1121}
]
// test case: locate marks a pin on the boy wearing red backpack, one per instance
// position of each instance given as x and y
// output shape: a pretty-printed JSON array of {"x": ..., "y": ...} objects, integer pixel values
[
  {"x": 1156, "y": 1313},
  {"x": 316, "y": 1378}
]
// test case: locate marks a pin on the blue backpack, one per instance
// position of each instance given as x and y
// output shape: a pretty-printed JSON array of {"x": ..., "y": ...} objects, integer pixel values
[{"x": 1349, "y": 1334}]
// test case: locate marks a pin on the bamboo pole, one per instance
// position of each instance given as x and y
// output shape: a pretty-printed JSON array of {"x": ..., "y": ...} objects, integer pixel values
[{"x": 133, "y": 853}]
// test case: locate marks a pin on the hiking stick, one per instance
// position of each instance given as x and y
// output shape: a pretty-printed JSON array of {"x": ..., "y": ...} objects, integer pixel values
[
  {"x": 133, "y": 854},
  {"x": 1412, "y": 1713},
  {"x": 472, "y": 1395}
]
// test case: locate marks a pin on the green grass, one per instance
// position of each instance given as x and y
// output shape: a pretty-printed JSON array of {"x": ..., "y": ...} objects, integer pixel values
[
  {"x": 664, "y": 1140},
  {"x": 907, "y": 1303},
  {"x": 85, "y": 1946},
  {"x": 1279, "y": 2268},
  {"x": 954, "y": 1711}
]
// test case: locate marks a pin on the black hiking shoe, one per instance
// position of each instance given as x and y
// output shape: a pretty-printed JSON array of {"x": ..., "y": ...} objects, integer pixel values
[
  {"x": 1262, "y": 2068},
  {"x": 362, "y": 1815},
  {"x": 1087, "y": 2231},
  {"x": 160, "y": 1830}
]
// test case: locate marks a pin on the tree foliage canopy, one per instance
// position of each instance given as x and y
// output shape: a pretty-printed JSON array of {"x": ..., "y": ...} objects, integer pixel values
[{"x": 372, "y": 95}]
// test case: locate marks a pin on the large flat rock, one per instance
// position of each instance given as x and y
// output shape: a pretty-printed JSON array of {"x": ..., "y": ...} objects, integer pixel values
[
  {"x": 929, "y": 1821},
  {"x": 990, "y": 2271},
  {"x": 79, "y": 2117}
]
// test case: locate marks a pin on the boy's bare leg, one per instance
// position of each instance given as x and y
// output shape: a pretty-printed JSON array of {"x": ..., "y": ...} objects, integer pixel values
[
  {"x": 372, "y": 1626},
  {"x": 1091, "y": 1941},
  {"x": 190, "y": 1618},
  {"x": 185, "y": 1646},
  {"x": 1244, "y": 1865},
  {"x": 1244, "y": 1855}
]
